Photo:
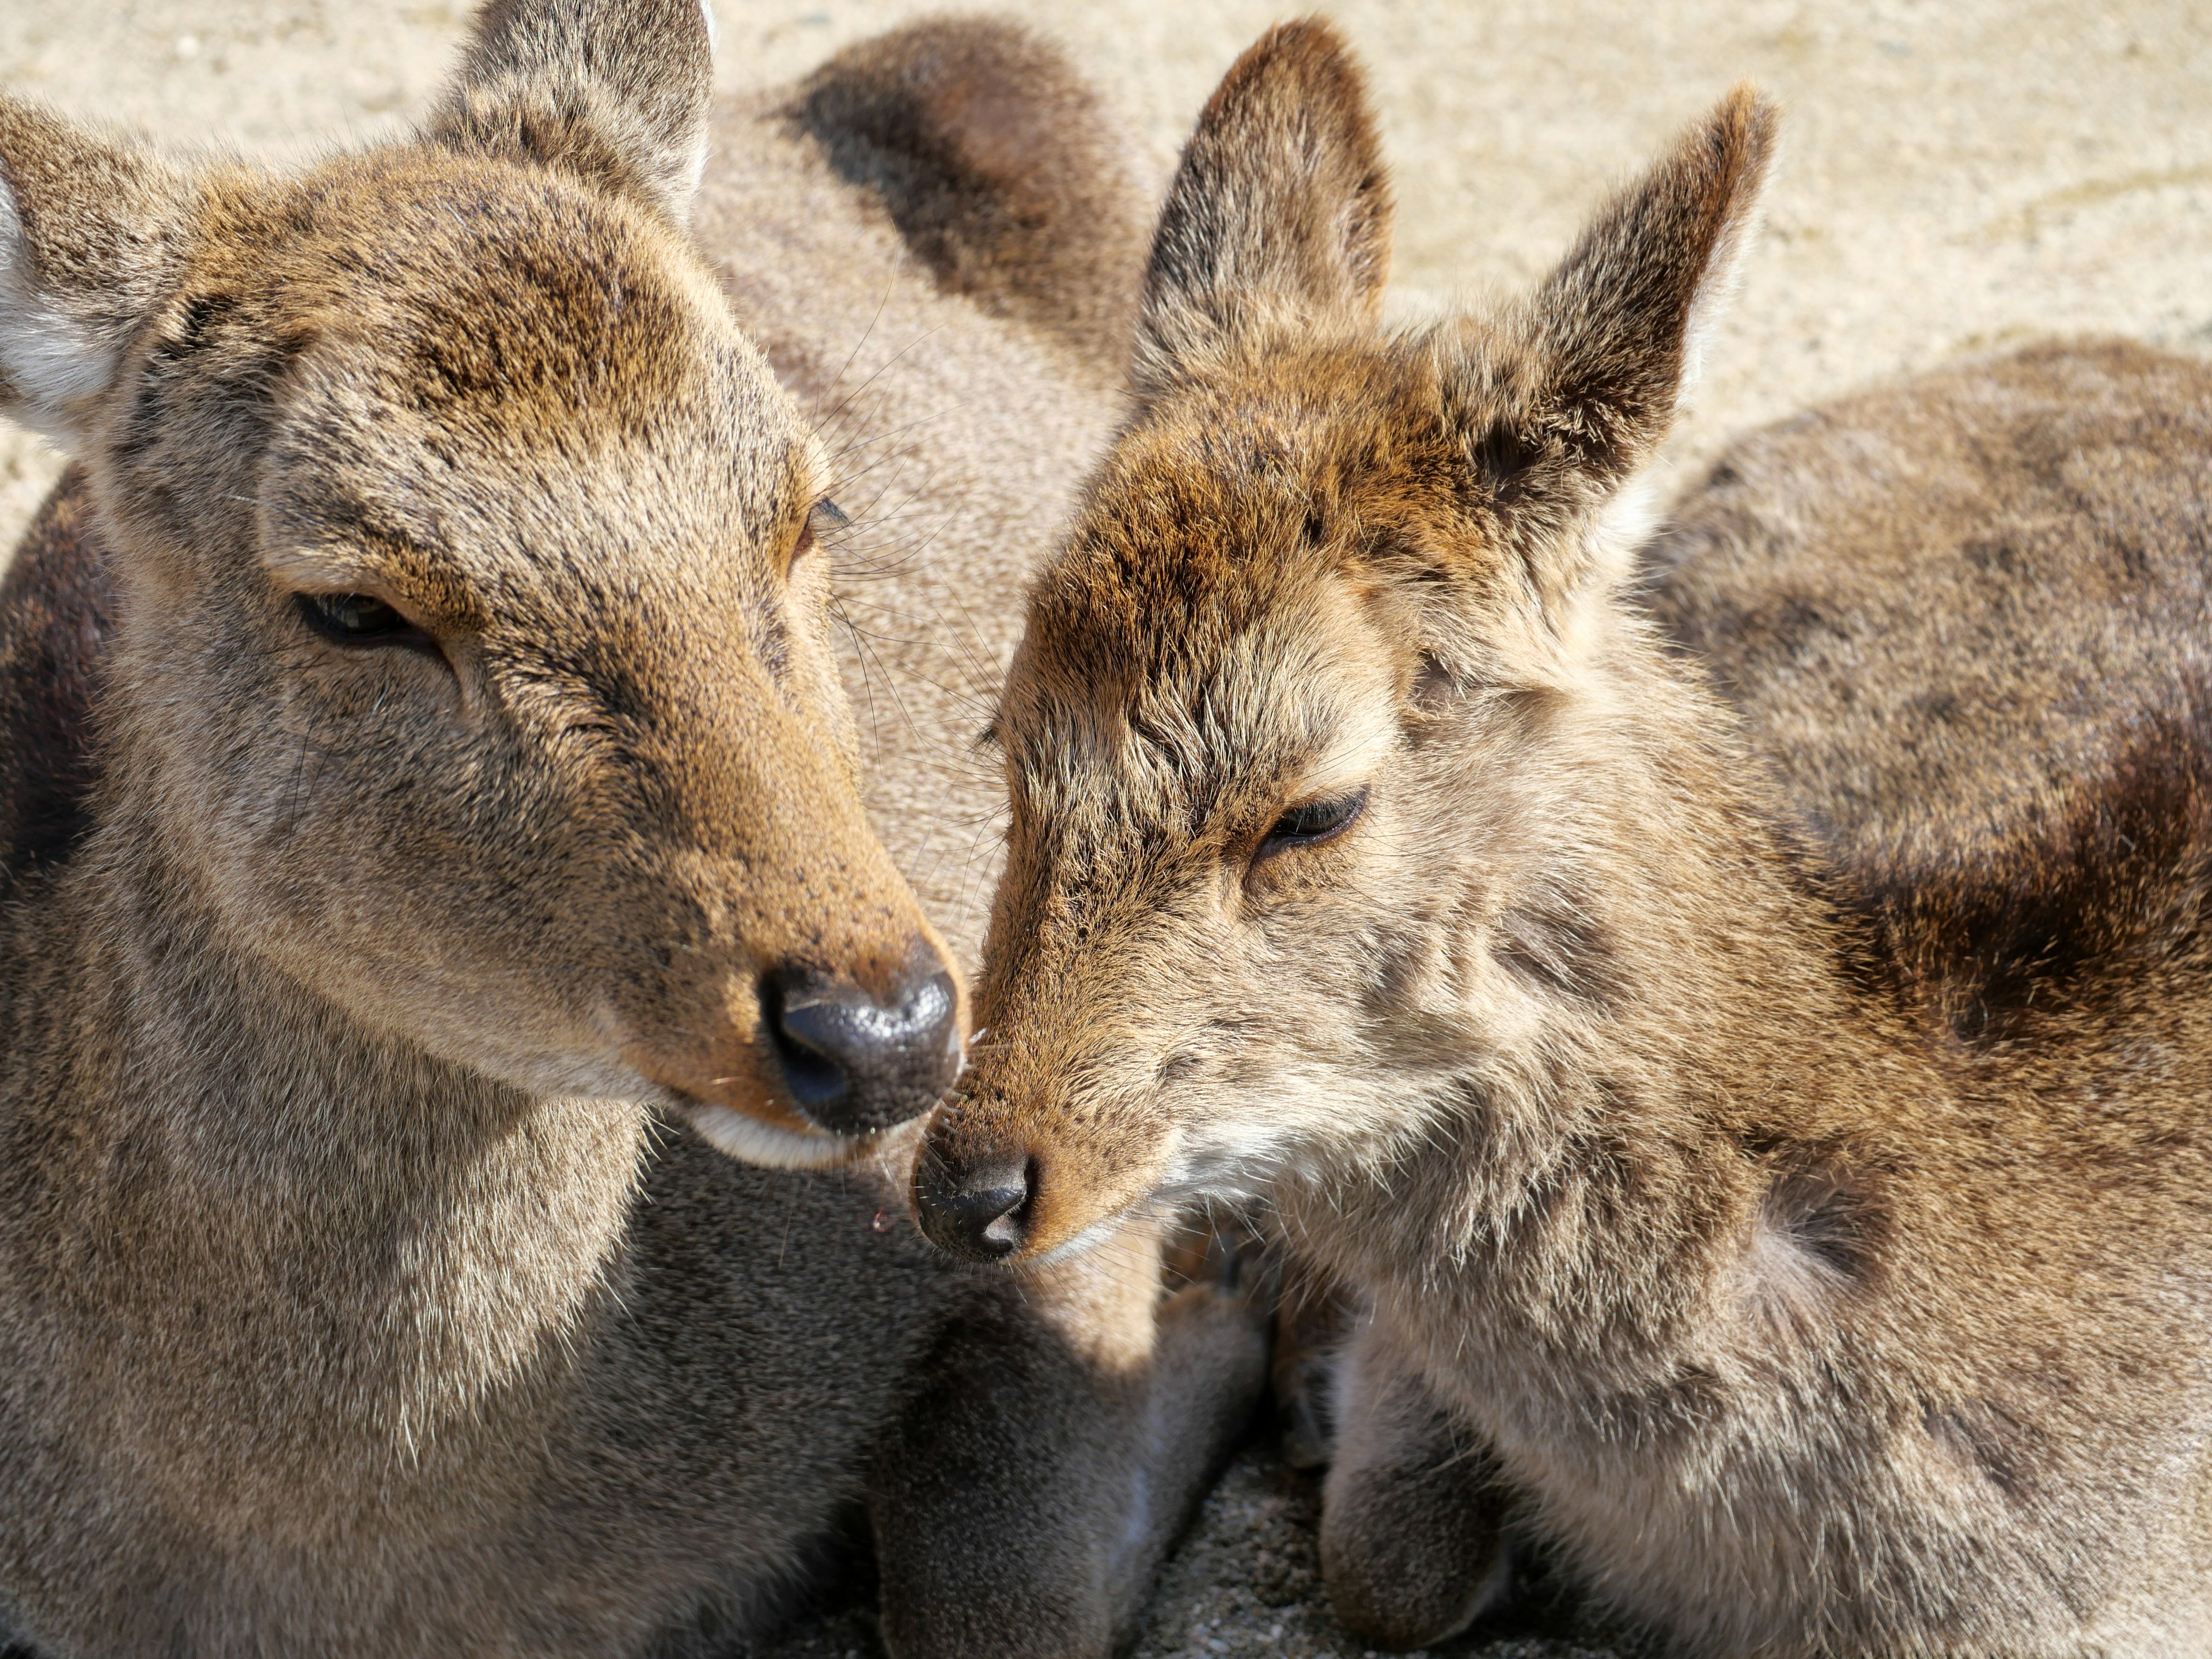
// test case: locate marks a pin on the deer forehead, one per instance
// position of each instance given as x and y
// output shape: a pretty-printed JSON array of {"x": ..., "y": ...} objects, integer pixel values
[
  {"x": 490, "y": 297},
  {"x": 1229, "y": 495},
  {"x": 565, "y": 417},
  {"x": 359, "y": 479},
  {"x": 472, "y": 365},
  {"x": 1224, "y": 596},
  {"x": 1212, "y": 714}
]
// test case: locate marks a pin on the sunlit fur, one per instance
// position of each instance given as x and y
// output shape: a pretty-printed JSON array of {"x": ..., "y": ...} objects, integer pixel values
[
  {"x": 364, "y": 1287},
  {"x": 1681, "y": 1216}
]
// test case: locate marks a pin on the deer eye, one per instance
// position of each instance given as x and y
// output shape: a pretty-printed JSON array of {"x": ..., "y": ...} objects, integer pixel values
[
  {"x": 1316, "y": 822},
  {"x": 823, "y": 519},
  {"x": 358, "y": 619}
]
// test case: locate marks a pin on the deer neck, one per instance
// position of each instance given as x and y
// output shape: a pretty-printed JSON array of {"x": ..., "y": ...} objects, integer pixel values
[
  {"x": 267, "y": 1214},
  {"x": 1668, "y": 1034}
]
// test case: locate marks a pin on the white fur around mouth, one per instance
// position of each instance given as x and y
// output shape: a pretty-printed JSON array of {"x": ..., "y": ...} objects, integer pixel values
[
  {"x": 1240, "y": 1177},
  {"x": 770, "y": 1146},
  {"x": 1089, "y": 1239}
]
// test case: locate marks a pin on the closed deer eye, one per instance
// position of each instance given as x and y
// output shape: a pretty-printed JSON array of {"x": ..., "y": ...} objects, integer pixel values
[
  {"x": 823, "y": 519},
  {"x": 358, "y": 619},
  {"x": 1311, "y": 824}
]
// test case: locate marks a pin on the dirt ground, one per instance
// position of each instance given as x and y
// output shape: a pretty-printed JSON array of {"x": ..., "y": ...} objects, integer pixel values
[{"x": 1957, "y": 175}]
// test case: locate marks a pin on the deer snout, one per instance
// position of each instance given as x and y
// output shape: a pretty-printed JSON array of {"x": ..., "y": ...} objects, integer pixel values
[
  {"x": 975, "y": 1201},
  {"x": 854, "y": 1062}
]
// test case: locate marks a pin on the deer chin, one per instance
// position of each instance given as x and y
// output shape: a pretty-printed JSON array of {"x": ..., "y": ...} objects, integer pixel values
[{"x": 797, "y": 1145}]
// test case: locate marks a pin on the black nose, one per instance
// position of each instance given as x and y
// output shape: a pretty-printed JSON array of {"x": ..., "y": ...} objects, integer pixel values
[
  {"x": 853, "y": 1064},
  {"x": 980, "y": 1208}
]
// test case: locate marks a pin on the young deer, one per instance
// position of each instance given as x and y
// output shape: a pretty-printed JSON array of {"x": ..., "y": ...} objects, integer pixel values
[
  {"x": 1367, "y": 851},
  {"x": 433, "y": 819}
]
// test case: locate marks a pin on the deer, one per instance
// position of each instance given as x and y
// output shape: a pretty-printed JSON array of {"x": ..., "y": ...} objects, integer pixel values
[
  {"x": 1740, "y": 1204},
  {"x": 465, "y": 1030}
]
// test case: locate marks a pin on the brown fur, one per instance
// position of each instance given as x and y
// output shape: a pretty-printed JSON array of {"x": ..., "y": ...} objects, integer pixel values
[
  {"x": 955, "y": 441},
  {"x": 57, "y": 611},
  {"x": 1000, "y": 168},
  {"x": 363, "y": 1289},
  {"x": 1966, "y": 618},
  {"x": 1797, "y": 1326}
]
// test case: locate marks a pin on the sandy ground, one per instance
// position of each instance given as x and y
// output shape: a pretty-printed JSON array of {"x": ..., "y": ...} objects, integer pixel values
[{"x": 1958, "y": 174}]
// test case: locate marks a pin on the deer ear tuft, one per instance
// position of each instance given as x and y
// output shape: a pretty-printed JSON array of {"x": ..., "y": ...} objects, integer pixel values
[
  {"x": 615, "y": 91},
  {"x": 1279, "y": 212}
]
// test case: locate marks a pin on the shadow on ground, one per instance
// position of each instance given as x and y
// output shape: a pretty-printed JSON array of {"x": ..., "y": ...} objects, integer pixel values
[{"x": 1247, "y": 1581}]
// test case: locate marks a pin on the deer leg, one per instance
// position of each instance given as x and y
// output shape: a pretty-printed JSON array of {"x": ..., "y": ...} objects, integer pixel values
[
  {"x": 1208, "y": 1373},
  {"x": 1062, "y": 1435},
  {"x": 1314, "y": 1321},
  {"x": 1411, "y": 1544}
]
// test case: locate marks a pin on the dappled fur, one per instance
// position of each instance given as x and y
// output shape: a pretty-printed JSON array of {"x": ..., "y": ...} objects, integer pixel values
[
  {"x": 358, "y": 1295},
  {"x": 1967, "y": 618},
  {"x": 1796, "y": 1324}
]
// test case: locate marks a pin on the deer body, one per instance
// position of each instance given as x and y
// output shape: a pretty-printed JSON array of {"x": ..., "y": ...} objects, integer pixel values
[
  {"x": 435, "y": 842},
  {"x": 482, "y": 1409},
  {"x": 1369, "y": 851}
]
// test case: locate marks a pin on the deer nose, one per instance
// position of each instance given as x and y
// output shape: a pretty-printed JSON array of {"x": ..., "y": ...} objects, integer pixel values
[
  {"x": 978, "y": 1208},
  {"x": 854, "y": 1064}
]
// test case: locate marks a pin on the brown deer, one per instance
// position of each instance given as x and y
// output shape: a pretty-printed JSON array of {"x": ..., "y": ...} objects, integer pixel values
[
  {"x": 1369, "y": 851},
  {"x": 435, "y": 825}
]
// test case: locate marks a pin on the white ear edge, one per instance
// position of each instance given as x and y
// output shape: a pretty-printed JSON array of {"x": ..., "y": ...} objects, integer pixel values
[
  {"x": 1611, "y": 543},
  {"x": 687, "y": 189},
  {"x": 1724, "y": 278},
  {"x": 697, "y": 172},
  {"x": 54, "y": 363}
]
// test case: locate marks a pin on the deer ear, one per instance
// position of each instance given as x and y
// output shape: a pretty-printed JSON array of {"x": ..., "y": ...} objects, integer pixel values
[
  {"x": 1619, "y": 327},
  {"x": 1280, "y": 211},
  {"x": 92, "y": 232},
  {"x": 614, "y": 91},
  {"x": 1562, "y": 405}
]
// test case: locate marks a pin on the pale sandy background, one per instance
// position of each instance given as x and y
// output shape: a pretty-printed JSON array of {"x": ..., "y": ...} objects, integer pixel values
[{"x": 1956, "y": 175}]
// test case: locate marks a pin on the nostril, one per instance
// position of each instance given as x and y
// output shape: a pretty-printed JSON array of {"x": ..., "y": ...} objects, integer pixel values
[
  {"x": 806, "y": 1040},
  {"x": 980, "y": 1211},
  {"x": 1002, "y": 1235},
  {"x": 813, "y": 1076},
  {"x": 850, "y": 1062}
]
